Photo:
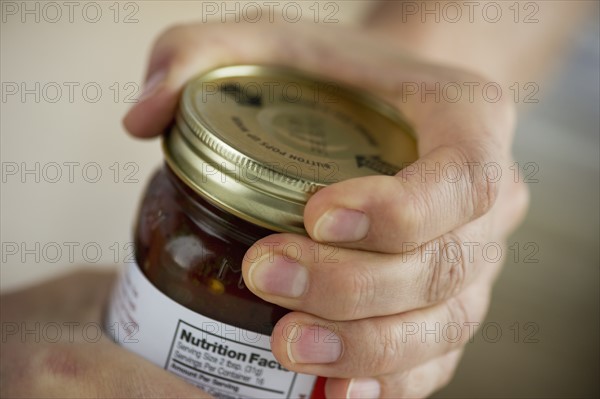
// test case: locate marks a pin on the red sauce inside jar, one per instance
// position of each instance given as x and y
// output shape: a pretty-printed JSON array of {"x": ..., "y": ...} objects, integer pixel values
[{"x": 192, "y": 251}]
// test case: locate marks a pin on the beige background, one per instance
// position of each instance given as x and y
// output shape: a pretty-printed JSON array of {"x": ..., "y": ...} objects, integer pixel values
[{"x": 558, "y": 295}]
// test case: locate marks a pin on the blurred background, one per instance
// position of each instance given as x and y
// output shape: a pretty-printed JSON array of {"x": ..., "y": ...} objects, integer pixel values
[{"x": 72, "y": 179}]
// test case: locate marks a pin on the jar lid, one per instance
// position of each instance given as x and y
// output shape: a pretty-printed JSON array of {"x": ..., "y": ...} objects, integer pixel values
[{"x": 257, "y": 141}]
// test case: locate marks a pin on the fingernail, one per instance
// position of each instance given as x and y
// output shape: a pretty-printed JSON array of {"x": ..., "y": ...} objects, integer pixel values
[
  {"x": 365, "y": 388},
  {"x": 277, "y": 275},
  {"x": 152, "y": 84},
  {"x": 313, "y": 344},
  {"x": 342, "y": 225}
]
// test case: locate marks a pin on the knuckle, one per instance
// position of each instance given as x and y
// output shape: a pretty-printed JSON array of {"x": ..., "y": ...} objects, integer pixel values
[
  {"x": 406, "y": 221},
  {"x": 363, "y": 294},
  {"x": 458, "y": 312},
  {"x": 482, "y": 190},
  {"x": 484, "y": 193},
  {"x": 388, "y": 350},
  {"x": 446, "y": 269},
  {"x": 397, "y": 206}
]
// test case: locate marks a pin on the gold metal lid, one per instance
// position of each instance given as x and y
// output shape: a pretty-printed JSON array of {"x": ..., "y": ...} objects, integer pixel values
[{"x": 257, "y": 141}]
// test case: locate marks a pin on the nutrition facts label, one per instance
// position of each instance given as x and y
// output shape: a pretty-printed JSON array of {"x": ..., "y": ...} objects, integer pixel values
[
  {"x": 223, "y": 360},
  {"x": 227, "y": 368}
]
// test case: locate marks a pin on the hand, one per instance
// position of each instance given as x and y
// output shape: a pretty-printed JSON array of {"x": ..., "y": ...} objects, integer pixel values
[
  {"x": 408, "y": 248},
  {"x": 53, "y": 346}
]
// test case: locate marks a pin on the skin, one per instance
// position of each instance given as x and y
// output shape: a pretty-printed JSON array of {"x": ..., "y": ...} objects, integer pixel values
[
  {"x": 70, "y": 357},
  {"x": 373, "y": 286},
  {"x": 497, "y": 49},
  {"x": 377, "y": 288}
]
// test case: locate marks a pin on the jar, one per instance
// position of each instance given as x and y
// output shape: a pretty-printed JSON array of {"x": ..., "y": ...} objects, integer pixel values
[{"x": 249, "y": 145}]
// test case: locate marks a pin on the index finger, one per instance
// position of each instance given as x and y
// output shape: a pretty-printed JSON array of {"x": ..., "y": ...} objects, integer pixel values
[{"x": 463, "y": 149}]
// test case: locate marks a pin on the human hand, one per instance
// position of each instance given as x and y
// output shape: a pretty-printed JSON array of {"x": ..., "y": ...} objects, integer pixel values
[
  {"x": 53, "y": 346},
  {"x": 390, "y": 273}
]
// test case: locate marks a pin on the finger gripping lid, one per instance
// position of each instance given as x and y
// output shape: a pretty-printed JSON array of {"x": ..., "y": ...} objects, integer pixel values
[{"x": 257, "y": 141}]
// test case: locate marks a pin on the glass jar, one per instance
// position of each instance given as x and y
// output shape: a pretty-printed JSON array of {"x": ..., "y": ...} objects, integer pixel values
[
  {"x": 249, "y": 145},
  {"x": 192, "y": 251}
]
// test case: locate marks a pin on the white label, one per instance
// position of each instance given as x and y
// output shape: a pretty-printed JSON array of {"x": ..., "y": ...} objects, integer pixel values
[{"x": 222, "y": 360}]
